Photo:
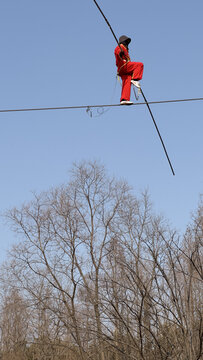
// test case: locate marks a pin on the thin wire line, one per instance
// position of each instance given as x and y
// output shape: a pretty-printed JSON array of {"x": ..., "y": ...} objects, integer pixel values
[{"x": 97, "y": 106}]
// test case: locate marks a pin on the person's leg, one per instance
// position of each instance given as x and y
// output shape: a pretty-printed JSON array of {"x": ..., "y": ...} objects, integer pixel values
[
  {"x": 132, "y": 70},
  {"x": 135, "y": 69},
  {"x": 126, "y": 87}
]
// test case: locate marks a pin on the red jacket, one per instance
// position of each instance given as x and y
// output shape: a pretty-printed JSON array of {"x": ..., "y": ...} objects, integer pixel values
[{"x": 121, "y": 60}]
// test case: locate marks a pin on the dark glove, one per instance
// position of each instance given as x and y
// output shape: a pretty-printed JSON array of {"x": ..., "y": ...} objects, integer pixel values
[{"x": 121, "y": 54}]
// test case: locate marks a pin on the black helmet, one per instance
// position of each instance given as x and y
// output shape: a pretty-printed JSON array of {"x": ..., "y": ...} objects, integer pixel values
[{"x": 124, "y": 40}]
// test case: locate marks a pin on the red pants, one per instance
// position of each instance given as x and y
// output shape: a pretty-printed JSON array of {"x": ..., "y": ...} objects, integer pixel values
[{"x": 132, "y": 70}]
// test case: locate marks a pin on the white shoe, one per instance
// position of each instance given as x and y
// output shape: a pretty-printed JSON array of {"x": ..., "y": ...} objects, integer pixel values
[
  {"x": 126, "y": 102},
  {"x": 136, "y": 83}
]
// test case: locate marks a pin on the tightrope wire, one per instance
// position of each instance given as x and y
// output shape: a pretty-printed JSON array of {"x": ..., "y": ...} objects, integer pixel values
[{"x": 98, "y": 106}]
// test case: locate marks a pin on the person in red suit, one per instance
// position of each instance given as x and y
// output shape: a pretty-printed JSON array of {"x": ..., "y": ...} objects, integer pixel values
[{"x": 130, "y": 72}]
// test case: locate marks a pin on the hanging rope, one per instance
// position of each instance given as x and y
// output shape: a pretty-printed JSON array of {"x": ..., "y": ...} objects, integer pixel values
[{"x": 141, "y": 90}]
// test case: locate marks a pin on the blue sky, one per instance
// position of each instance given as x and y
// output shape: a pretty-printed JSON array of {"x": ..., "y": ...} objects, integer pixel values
[{"x": 61, "y": 53}]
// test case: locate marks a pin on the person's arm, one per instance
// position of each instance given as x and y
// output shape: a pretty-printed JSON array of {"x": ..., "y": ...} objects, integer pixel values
[{"x": 123, "y": 53}]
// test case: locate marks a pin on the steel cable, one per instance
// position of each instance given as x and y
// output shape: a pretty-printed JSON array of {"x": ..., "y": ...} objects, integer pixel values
[{"x": 98, "y": 106}]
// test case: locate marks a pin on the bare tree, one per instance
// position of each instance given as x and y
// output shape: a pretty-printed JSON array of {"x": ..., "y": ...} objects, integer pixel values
[
  {"x": 154, "y": 287},
  {"x": 14, "y": 325},
  {"x": 105, "y": 278},
  {"x": 65, "y": 235}
]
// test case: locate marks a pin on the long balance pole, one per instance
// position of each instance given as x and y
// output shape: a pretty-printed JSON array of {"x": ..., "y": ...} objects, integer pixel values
[{"x": 156, "y": 127}]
